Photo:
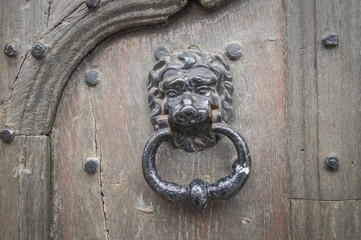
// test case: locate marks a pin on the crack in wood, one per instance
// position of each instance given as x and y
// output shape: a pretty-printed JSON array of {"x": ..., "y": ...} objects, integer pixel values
[
  {"x": 62, "y": 20},
  {"x": 48, "y": 17},
  {"x": 100, "y": 165},
  {"x": 16, "y": 77},
  {"x": 41, "y": 87}
]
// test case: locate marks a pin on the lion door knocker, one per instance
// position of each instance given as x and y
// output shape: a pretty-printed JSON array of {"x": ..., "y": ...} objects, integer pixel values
[{"x": 190, "y": 101}]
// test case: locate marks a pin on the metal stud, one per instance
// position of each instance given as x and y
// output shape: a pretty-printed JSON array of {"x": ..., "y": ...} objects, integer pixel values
[
  {"x": 234, "y": 51},
  {"x": 331, "y": 163},
  {"x": 92, "y": 77},
  {"x": 330, "y": 40},
  {"x": 10, "y": 50},
  {"x": 92, "y": 4},
  {"x": 7, "y": 135},
  {"x": 91, "y": 165},
  {"x": 38, "y": 50}
]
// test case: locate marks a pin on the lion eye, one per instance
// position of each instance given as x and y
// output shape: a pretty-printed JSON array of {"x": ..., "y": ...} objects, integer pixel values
[
  {"x": 203, "y": 90},
  {"x": 172, "y": 93}
]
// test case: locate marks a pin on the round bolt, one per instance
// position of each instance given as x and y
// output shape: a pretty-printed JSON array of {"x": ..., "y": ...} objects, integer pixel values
[
  {"x": 331, "y": 163},
  {"x": 91, "y": 165},
  {"x": 10, "y": 50},
  {"x": 38, "y": 50},
  {"x": 7, "y": 135},
  {"x": 91, "y": 77},
  {"x": 92, "y": 3},
  {"x": 330, "y": 40},
  {"x": 234, "y": 51}
]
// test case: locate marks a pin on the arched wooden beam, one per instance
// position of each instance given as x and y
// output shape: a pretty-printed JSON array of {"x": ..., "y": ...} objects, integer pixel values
[
  {"x": 38, "y": 88},
  {"x": 33, "y": 103}
]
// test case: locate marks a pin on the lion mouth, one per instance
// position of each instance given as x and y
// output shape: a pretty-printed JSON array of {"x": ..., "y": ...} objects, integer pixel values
[{"x": 191, "y": 125}]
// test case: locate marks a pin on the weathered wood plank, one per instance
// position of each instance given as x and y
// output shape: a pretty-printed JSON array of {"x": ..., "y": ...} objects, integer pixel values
[
  {"x": 60, "y": 9},
  {"x": 25, "y": 188},
  {"x": 339, "y": 98},
  {"x": 325, "y": 219},
  {"x": 41, "y": 82},
  {"x": 77, "y": 200},
  {"x": 21, "y": 23},
  {"x": 261, "y": 210},
  {"x": 323, "y": 99},
  {"x": 302, "y": 143}
]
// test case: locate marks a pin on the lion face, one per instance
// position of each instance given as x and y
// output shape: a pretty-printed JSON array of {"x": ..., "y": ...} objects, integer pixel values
[
  {"x": 190, "y": 96},
  {"x": 184, "y": 88}
]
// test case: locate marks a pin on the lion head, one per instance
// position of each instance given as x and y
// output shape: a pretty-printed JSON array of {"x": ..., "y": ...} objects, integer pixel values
[{"x": 185, "y": 88}]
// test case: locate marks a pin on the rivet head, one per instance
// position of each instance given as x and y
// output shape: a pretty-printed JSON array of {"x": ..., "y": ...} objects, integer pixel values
[
  {"x": 331, "y": 163},
  {"x": 330, "y": 40},
  {"x": 91, "y": 165},
  {"x": 38, "y": 50},
  {"x": 10, "y": 50},
  {"x": 234, "y": 51},
  {"x": 7, "y": 135},
  {"x": 92, "y": 3},
  {"x": 92, "y": 77}
]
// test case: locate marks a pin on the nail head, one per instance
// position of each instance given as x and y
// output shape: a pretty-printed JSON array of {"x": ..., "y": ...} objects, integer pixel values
[
  {"x": 10, "y": 50},
  {"x": 234, "y": 51},
  {"x": 92, "y": 77},
  {"x": 330, "y": 40},
  {"x": 91, "y": 165},
  {"x": 38, "y": 50},
  {"x": 332, "y": 163},
  {"x": 7, "y": 135},
  {"x": 92, "y": 3}
]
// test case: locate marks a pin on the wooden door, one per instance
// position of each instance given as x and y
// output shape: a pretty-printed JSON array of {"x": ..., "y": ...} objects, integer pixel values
[{"x": 295, "y": 102}]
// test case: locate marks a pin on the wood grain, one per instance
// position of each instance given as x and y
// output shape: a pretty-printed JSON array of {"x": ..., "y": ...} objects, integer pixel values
[
  {"x": 61, "y": 9},
  {"x": 111, "y": 121},
  {"x": 25, "y": 169},
  {"x": 21, "y": 23},
  {"x": 325, "y": 219},
  {"x": 302, "y": 106},
  {"x": 323, "y": 99},
  {"x": 77, "y": 200},
  {"x": 119, "y": 101},
  {"x": 339, "y": 98},
  {"x": 41, "y": 82},
  {"x": 25, "y": 188}
]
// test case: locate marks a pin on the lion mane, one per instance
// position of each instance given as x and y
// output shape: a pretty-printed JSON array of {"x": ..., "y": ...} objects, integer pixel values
[{"x": 188, "y": 60}]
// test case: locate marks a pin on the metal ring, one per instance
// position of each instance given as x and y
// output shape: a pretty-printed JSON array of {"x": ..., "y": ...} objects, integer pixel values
[{"x": 198, "y": 192}]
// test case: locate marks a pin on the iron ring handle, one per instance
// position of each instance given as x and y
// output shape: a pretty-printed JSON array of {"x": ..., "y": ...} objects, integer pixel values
[{"x": 198, "y": 192}]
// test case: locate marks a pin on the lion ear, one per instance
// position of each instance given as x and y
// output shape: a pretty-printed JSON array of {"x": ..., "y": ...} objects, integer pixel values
[{"x": 161, "y": 52}]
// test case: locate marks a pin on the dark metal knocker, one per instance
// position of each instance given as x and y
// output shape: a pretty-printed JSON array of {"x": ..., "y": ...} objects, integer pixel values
[
  {"x": 190, "y": 98},
  {"x": 198, "y": 192}
]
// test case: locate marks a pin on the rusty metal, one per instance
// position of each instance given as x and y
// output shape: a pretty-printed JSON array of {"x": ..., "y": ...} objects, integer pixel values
[{"x": 190, "y": 99}]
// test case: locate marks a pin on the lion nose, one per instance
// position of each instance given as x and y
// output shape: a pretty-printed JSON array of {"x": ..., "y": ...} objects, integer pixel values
[{"x": 189, "y": 112}]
